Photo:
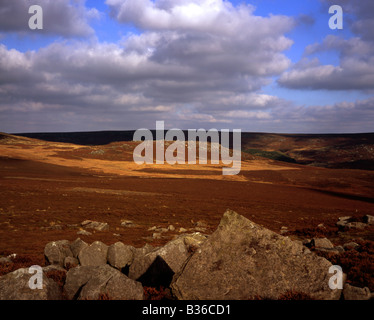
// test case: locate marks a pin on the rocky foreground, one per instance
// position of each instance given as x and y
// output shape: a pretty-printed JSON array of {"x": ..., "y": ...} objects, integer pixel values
[{"x": 240, "y": 260}]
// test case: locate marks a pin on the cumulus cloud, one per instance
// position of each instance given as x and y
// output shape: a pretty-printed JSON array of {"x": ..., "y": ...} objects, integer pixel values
[
  {"x": 192, "y": 15},
  {"x": 196, "y": 60},
  {"x": 354, "y": 72},
  {"x": 111, "y": 80},
  {"x": 193, "y": 64},
  {"x": 60, "y": 17}
]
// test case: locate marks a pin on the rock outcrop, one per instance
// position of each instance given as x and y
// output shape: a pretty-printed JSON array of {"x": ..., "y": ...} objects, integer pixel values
[
  {"x": 242, "y": 260},
  {"x": 55, "y": 252},
  {"x": 120, "y": 255},
  {"x": 93, "y": 255},
  {"x": 100, "y": 282},
  {"x": 170, "y": 257}
]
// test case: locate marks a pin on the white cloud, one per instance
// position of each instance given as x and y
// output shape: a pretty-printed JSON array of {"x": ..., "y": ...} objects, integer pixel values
[
  {"x": 215, "y": 62},
  {"x": 194, "y": 64},
  {"x": 354, "y": 72}
]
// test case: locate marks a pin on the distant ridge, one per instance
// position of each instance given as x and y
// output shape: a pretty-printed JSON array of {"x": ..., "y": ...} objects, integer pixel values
[
  {"x": 106, "y": 137},
  {"x": 82, "y": 138}
]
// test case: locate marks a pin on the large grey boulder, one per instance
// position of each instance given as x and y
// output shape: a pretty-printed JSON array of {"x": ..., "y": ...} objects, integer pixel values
[
  {"x": 139, "y": 253},
  {"x": 55, "y": 252},
  {"x": 76, "y": 246},
  {"x": 93, "y": 255},
  {"x": 96, "y": 282},
  {"x": 120, "y": 255},
  {"x": 243, "y": 260},
  {"x": 15, "y": 286},
  {"x": 174, "y": 254}
]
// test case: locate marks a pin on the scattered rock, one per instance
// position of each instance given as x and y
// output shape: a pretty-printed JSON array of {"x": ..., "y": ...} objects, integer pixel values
[
  {"x": 127, "y": 223},
  {"x": 350, "y": 245},
  {"x": 120, "y": 255},
  {"x": 15, "y": 286},
  {"x": 356, "y": 225},
  {"x": 55, "y": 252},
  {"x": 98, "y": 226},
  {"x": 84, "y": 233},
  {"x": 341, "y": 224},
  {"x": 95, "y": 282},
  {"x": 158, "y": 229},
  {"x": 241, "y": 260},
  {"x": 181, "y": 230},
  {"x": 322, "y": 243},
  {"x": 98, "y": 152},
  {"x": 53, "y": 227},
  {"x": 369, "y": 219},
  {"x": 346, "y": 222},
  {"x": 156, "y": 235},
  {"x": 283, "y": 230},
  {"x": 171, "y": 228},
  {"x": 202, "y": 224},
  {"x": 343, "y": 221},
  {"x": 93, "y": 255},
  {"x": 5, "y": 260},
  {"x": 345, "y": 218},
  {"x": 354, "y": 293}
]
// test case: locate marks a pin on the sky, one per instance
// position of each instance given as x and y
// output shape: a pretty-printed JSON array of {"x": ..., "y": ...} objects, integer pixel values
[{"x": 255, "y": 65}]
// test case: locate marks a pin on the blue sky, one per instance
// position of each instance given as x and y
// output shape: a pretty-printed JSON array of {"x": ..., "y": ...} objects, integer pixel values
[{"x": 260, "y": 65}]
